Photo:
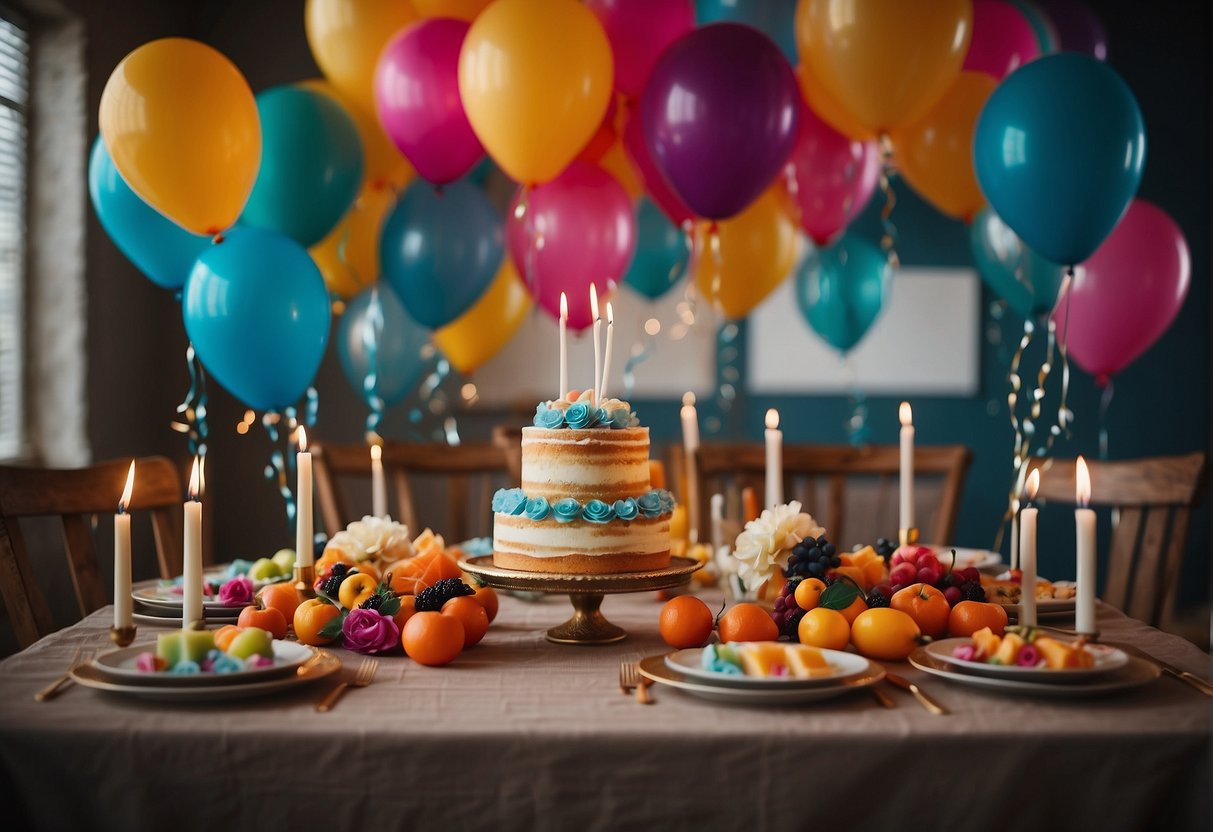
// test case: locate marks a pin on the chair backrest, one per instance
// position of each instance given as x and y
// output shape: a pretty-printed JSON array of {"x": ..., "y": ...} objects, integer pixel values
[
  {"x": 809, "y": 469},
  {"x": 458, "y": 466},
  {"x": 73, "y": 495},
  {"x": 1154, "y": 498}
]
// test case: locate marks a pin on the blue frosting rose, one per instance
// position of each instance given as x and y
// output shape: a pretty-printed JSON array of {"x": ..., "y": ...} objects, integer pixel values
[
  {"x": 509, "y": 501},
  {"x": 566, "y": 510},
  {"x": 626, "y": 509},
  {"x": 547, "y": 417},
  {"x": 580, "y": 416},
  {"x": 650, "y": 504},
  {"x": 620, "y": 418},
  {"x": 596, "y": 511},
  {"x": 667, "y": 500},
  {"x": 538, "y": 508}
]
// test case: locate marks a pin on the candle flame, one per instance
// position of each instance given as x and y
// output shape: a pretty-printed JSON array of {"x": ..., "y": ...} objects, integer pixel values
[
  {"x": 688, "y": 399},
  {"x": 564, "y": 307},
  {"x": 1082, "y": 487},
  {"x": 594, "y": 302},
  {"x": 610, "y": 315},
  {"x": 905, "y": 414},
  {"x": 302, "y": 439},
  {"x": 1033, "y": 484},
  {"x": 376, "y": 452},
  {"x": 772, "y": 419},
  {"x": 195, "y": 491},
  {"x": 125, "y": 499}
]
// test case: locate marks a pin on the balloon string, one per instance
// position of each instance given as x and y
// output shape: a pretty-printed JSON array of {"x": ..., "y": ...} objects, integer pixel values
[
  {"x": 372, "y": 334},
  {"x": 275, "y": 471},
  {"x": 1105, "y": 399},
  {"x": 641, "y": 352},
  {"x": 857, "y": 422},
  {"x": 713, "y": 243},
  {"x": 1013, "y": 378},
  {"x": 888, "y": 240},
  {"x": 194, "y": 406}
]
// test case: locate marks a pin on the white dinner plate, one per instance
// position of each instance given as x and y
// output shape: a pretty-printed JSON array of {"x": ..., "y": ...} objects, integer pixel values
[
  {"x": 325, "y": 664},
  {"x": 655, "y": 668},
  {"x": 166, "y": 616},
  {"x": 119, "y": 666},
  {"x": 977, "y": 558},
  {"x": 1134, "y": 674},
  {"x": 690, "y": 663},
  {"x": 1107, "y": 660}
]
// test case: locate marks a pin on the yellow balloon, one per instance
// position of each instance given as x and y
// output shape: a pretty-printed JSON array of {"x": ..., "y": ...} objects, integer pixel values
[
  {"x": 383, "y": 164},
  {"x": 349, "y": 256},
  {"x": 829, "y": 110},
  {"x": 462, "y": 9},
  {"x": 934, "y": 153},
  {"x": 482, "y": 331},
  {"x": 617, "y": 163},
  {"x": 181, "y": 125},
  {"x": 535, "y": 77},
  {"x": 757, "y": 249},
  {"x": 886, "y": 61},
  {"x": 346, "y": 37}
]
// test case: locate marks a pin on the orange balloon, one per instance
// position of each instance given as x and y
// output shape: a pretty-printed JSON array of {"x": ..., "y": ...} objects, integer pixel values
[
  {"x": 383, "y": 164},
  {"x": 461, "y": 9},
  {"x": 829, "y": 110},
  {"x": 482, "y": 331},
  {"x": 887, "y": 60},
  {"x": 935, "y": 151},
  {"x": 756, "y": 251},
  {"x": 346, "y": 37},
  {"x": 618, "y": 164},
  {"x": 348, "y": 257}
]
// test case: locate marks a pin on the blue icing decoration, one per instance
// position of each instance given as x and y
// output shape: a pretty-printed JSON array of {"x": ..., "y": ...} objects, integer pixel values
[
  {"x": 596, "y": 511},
  {"x": 651, "y": 504},
  {"x": 667, "y": 500},
  {"x": 566, "y": 510},
  {"x": 580, "y": 416},
  {"x": 509, "y": 501},
  {"x": 620, "y": 418},
  {"x": 538, "y": 508},
  {"x": 626, "y": 509},
  {"x": 546, "y": 417},
  {"x": 185, "y": 667},
  {"x": 227, "y": 664}
]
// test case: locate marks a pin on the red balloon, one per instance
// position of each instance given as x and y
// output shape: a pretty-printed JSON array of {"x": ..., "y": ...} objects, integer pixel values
[
  {"x": 655, "y": 183},
  {"x": 639, "y": 31},
  {"x": 1003, "y": 39}
]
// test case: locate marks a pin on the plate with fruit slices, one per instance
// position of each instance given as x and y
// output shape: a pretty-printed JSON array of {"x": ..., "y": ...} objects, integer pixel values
[
  {"x": 166, "y": 593},
  {"x": 766, "y": 665},
  {"x": 1042, "y": 659},
  {"x": 980, "y": 559},
  {"x": 655, "y": 669},
  {"x": 132, "y": 665},
  {"x": 1134, "y": 674}
]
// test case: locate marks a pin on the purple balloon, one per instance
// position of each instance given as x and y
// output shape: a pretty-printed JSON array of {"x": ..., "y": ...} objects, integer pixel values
[
  {"x": 721, "y": 112},
  {"x": 1078, "y": 28},
  {"x": 417, "y": 97}
]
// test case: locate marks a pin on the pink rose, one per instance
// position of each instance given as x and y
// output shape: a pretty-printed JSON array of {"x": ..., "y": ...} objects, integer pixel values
[
  {"x": 237, "y": 592},
  {"x": 368, "y": 631}
]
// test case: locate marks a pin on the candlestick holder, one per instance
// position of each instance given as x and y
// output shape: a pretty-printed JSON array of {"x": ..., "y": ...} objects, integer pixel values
[
  {"x": 123, "y": 636},
  {"x": 908, "y": 537},
  {"x": 305, "y": 577}
]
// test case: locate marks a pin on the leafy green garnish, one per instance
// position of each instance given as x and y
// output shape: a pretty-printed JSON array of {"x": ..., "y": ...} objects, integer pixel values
[
  {"x": 840, "y": 594},
  {"x": 332, "y": 628}
]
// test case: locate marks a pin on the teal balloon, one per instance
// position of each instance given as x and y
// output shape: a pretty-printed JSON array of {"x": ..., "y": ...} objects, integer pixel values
[
  {"x": 376, "y": 337},
  {"x": 774, "y": 18},
  {"x": 164, "y": 251},
  {"x": 440, "y": 249},
  {"x": 841, "y": 290},
  {"x": 311, "y": 164},
  {"x": 1046, "y": 37},
  {"x": 1026, "y": 281},
  {"x": 1059, "y": 151},
  {"x": 257, "y": 312},
  {"x": 661, "y": 252}
]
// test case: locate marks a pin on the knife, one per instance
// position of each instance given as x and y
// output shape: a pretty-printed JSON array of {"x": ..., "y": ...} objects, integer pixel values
[
  {"x": 1191, "y": 679},
  {"x": 923, "y": 699}
]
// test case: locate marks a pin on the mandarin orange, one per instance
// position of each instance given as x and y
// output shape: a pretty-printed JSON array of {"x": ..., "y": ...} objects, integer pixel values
[
  {"x": 747, "y": 622},
  {"x": 685, "y": 621}
]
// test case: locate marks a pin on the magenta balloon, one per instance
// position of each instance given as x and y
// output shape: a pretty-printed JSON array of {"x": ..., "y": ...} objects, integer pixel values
[
  {"x": 417, "y": 97},
  {"x": 1126, "y": 295},
  {"x": 584, "y": 232},
  {"x": 655, "y": 183},
  {"x": 639, "y": 31},
  {"x": 830, "y": 176},
  {"x": 1003, "y": 39},
  {"x": 720, "y": 116}
]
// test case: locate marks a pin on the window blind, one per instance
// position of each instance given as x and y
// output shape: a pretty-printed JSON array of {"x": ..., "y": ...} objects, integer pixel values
[{"x": 14, "y": 96}]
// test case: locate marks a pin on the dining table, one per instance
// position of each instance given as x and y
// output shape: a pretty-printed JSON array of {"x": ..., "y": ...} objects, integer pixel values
[{"x": 520, "y": 733}]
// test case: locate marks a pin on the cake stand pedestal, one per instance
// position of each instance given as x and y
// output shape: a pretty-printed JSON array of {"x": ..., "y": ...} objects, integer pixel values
[{"x": 588, "y": 625}]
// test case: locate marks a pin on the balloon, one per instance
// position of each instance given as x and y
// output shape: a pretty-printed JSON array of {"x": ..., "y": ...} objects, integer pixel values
[
  {"x": 1078, "y": 28},
  {"x": 181, "y": 125},
  {"x": 346, "y": 37},
  {"x": 311, "y": 164},
  {"x": 1059, "y": 151},
  {"x": 654, "y": 180},
  {"x": 161, "y": 249},
  {"x": 1127, "y": 294},
  {"x": 1018, "y": 275},
  {"x": 349, "y": 256},
  {"x": 257, "y": 313},
  {"x": 440, "y": 249},
  {"x": 535, "y": 77},
  {"x": 382, "y": 164},
  {"x": 829, "y": 178},
  {"x": 720, "y": 115},
  {"x": 829, "y": 110},
  {"x": 395, "y": 340},
  {"x": 619, "y": 165},
  {"x": 841, "y": 290},
  {"x": 461, "y": 9},
  {"x": 661, "y": 253},
  {"x": 1003, "y": 39},
  {"x": 578, "y": 229},
  {"x": 756, "y": 251},
  {"x": 417, "y": 98},
  {"x": 639, "y": 31},
  {"x": 935, "y": 151},
  {"x": 1042, "y": 27},
  {"x": 774, "y": 18},
  {"x": 489, "y": 325},
  {"x": 886, "y": 60}
]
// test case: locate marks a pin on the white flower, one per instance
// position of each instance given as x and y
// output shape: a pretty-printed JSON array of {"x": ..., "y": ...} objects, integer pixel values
[
  {"x": 373, "y": 537},
  {"x": 765, "y": 542}
]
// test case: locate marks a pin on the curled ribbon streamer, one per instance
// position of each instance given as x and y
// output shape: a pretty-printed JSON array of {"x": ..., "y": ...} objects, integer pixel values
[
  {"x": 194, "y": 406},
  {"x": 857, "y": 423},
  {"x": 642, "y": 350},
  {"x": 888, "y": 240},
  {"x": 372, "y": 334},
  {"x": 1105, "y": 399},
  {"x": 276, "y": 470}
]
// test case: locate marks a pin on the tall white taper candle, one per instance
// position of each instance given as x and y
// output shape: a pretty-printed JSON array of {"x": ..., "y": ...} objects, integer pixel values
[
  {"x": 1027, "y": 554},
  {"x": 1084, "y": 523},
  {"x": 906, "y": 415},
  {"x": 378, "y": 482},
  {"x": 774, "y": 444},
  {"x": 191, "y": 582},
  {"x": 123, "y": 611},
  {"x": 304, "y": 529}
]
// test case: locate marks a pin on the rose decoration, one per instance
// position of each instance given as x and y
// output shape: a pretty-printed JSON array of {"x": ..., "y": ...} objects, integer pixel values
[
  {"x": 538, "y": 508},
  {"x": 621, "y": 418},
  {"x": 367, "y": 631},
  {"x": 566, "y": 510},
  {"x": 581, "y": 416},
  {"x": 626, "y": 509},
  {"x": 509, "y": 501},
  {"x": 652, "y": 505},
  {"x": 596, "y": 511},
  {"x": 767, "y": 540},
  {"x": 236, "y": 592},
  {"x": 546, "y": 417}
]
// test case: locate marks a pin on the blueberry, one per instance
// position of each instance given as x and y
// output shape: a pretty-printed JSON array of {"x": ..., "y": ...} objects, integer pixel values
[
  {"x": 815, "y": 553},
  {"x": 816, "y": 569},
  {"x": 829, "y": 549}
]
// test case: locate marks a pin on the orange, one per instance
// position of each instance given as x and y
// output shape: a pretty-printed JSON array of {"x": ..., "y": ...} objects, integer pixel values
[
  {"x": 885, "y": 633},
  {"x": 855, "y": 573},
  {"x": 821, "y": 627},
  {"x": 926, "y": 605},
  {"x": 747, "y": 622},
  {"x": 310, "y": 618},
  {"x": 428, "y": 568},
  {"x": 271, "y": 620},
  {"x": 282, "y": 597},
  {"x": 225, "y": 634},
  {"x": 488, "y": 599},
  {"x": 401, "y": 583},
  {"x": 970, "y": 616},
  {"x": 685, "y": 621},
  {"x": 808, "y": 593},
  {"x": 471, "y": 615},
  {"x": 856, "y": 607},
  {"x": 433, "y": 639},
  {"x": 408, "y": 608}
]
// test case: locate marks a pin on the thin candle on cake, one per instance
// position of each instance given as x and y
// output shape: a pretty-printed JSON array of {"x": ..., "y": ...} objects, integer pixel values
[
  {"x": 1084, "y": 526},
  {"x": 908, "y": 532},
  {"x": 606, "y": 362},
  {"x": 1027, "y": 554},
  {"x": 564, "y": 346},
  {"x": 123, "y": 631},
  {"x": 774, "y": 447},
  {"x": 191, "y": 582},
  {"x": 597, "y": 343}
]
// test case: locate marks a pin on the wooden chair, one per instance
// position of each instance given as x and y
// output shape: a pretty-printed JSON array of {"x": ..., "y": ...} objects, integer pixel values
[
  {"x": 1154, "y": 498},
  {"x": 456, "y": 465},
  {"x": 728, "y": 467},
  {"x": 73, "y": 495}
]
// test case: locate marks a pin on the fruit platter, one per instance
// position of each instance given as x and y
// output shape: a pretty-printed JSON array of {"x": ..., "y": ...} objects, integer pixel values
[
  {"x": 226, "y": 590},
  {"x": 1054, "y": 599}
]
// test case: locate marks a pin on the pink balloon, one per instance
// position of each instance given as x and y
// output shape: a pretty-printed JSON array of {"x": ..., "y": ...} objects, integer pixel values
[
  {"x": 417, "y": 97},
  {"x": 1125, "y": 296},
  {"x": 639, "y": 31},
  {"x": 1003, "y": 39},
  {"x": 655, "y": 183},
  {"x": 830, "y": 177},
  {"x": 577, "y": 229}
]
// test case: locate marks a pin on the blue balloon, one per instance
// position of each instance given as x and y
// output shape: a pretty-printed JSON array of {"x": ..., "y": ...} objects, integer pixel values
[
  {"x": 440, "y": 249},
  {"x": 661, "y": 252},
  {"x": 841, "y": 290},
  {"x": 311, "y": 164},
  {"x": 164, "y": 251},
  {"x": 774, "y": 18},
  {"x": 257, "y": 312},
  {"x": 1026, "y": 281},
  {"x": 394, "y": 342},
  {"x": 1059, "y": 151}
]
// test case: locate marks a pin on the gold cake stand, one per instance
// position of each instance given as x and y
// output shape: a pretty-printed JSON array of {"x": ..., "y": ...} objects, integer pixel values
[{"x": 588, "y": 625}]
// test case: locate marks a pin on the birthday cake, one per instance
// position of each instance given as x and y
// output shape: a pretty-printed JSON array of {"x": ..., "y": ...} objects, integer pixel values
[{"x": 586, "y": 505}]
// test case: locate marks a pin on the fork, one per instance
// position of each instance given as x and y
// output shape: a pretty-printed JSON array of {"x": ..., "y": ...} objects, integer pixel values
[
  {"x": 59, "y": 685},
  {"x": 364, "y": 676},
  {"x": 630, "y": 678}
]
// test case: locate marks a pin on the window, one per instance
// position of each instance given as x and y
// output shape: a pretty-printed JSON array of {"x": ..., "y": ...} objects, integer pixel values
[{"x": 14, "y": 97}]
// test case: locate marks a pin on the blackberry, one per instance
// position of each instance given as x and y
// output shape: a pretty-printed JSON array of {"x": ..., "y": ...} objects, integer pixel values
[
  {"x": 885, "y": 547},
  {"x": 973, "y": 591},
  {"x": 790, "y": 625},
  {"x": 331, "y": 585},
  {"x": 432, "y": 599},
  {"x": 339, "y": 568},
  {"x": 372, "y": 603},
  {"x": 878, "y": 599}
]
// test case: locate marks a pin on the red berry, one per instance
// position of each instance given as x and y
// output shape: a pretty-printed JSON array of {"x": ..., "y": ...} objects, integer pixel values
[
  {"x": 970, "y": 573},
  {"x": 953, "y": 595}
]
